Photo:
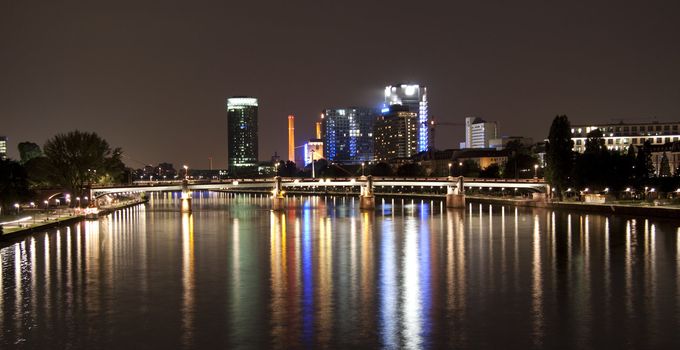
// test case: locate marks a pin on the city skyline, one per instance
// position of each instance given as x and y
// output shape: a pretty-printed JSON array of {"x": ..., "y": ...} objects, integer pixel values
[{"x": 158, "y": 82}]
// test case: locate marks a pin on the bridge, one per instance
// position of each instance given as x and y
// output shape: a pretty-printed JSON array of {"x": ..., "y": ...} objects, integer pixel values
[{"x": 455, "y": 187}]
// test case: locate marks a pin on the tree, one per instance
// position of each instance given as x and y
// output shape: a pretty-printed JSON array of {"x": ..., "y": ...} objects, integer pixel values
[
  {"x": 559, "y": 159},
  {"x": 410, "y": 169},
  {"x": 594, "y": 167},
  {"x": 381, "y": 169},
  {"x": 470, "y": 168},
  {"x": 13, "y": 183},
  {"x": 492, "y": 171},
  {"x": 28, "y": 151},
  {"x": 643, "y": 164},
  {"x": 519, "y": 161},
  {"x": 77, "y": 159},
  {"x": 287, "y": 169},
  {"x": 664, "y": 167}
]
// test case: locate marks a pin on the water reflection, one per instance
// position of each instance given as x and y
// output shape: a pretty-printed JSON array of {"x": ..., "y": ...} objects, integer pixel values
[{"x": 325, "y": 274}]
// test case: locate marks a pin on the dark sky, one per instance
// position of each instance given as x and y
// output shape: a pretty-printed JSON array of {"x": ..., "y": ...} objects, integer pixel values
[{"x": 152, "y": 77}]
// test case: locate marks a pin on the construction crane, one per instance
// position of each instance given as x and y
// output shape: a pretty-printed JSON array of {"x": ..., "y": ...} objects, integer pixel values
[{"x": 434, "y": 124}]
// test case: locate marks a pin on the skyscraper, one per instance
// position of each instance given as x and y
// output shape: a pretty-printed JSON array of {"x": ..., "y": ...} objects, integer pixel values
[
  {"x": 347, "y": 134},
  {"x": 3, "y": 147},
  {"x": 414, "y": 97},
  {"x": 478, "y": 132},
  {"x": 242, "y": 134},
  {"x": 396, "y": 134}
]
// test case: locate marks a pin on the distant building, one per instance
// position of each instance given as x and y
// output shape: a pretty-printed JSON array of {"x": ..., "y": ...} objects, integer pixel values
[
  {"x": 313, "y": 150},
  {"x": 347, "y": 134},
  {"x": 619, "y": 136},
  {"x": 479, "y": 133},
  {"x": 483, "y": 157},
  {"x": 414, "y": 97},
  {"x": 396, "y": 134},
  {"x": 436, "y": 163},
  {"x": 242, "y": 137},
  {"x": 3, "y": 147},
  {"x": 502, "y": 142}
]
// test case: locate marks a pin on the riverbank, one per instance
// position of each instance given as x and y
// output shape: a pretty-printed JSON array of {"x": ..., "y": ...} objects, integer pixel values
[
  {"x": 613, "y": 208},
  {"x": 44, "y": 221}
]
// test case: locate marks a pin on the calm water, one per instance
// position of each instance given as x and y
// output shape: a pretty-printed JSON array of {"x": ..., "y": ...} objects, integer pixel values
[{"x": 323, "y": 274}]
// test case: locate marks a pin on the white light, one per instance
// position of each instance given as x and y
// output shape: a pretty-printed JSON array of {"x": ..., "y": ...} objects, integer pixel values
[
  {"x": 410, "y": 90},
  {"x": 236, "y": 102}
]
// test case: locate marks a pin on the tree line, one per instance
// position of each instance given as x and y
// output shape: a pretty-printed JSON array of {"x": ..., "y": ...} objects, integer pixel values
[
  {"x": 599, "y": 168},
  {"x": 71, "y": 161}
]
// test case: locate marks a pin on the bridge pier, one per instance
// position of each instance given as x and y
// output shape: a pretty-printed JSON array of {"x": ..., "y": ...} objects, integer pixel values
[
  {"x": 186, "y": 197},
  {"x": 366, "y": 198},
  {"x": 278, "y": 200},
  {"x": 455, "y": 194}
]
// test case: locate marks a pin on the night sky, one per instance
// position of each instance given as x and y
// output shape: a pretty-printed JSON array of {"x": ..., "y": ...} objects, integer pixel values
[{"x": 152, "y": 77}]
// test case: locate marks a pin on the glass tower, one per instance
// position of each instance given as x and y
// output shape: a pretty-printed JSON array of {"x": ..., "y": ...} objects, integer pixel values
[
  {"x": 242, "y": 134},
  {"x": 414, "y": 97},
  {"x": 347, "y": 134}
]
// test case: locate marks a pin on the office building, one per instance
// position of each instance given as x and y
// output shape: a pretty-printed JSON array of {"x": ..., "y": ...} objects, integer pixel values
[
  {"x": 396, "y": 134},
  {"x": 242, "y": 134},
  {"x": 479, "y": 132},
  {"x": 414, "y": 97},
  {"x": 347, "y": 134},
  {"x": 620, "y": 136},
  {"x": 3, "y": 147}
]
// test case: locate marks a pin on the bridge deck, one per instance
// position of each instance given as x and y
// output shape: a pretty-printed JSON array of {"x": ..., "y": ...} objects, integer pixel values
[{"x": 165, "y": 186}]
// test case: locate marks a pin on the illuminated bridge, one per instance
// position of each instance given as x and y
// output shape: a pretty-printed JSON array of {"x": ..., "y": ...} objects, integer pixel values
[{"x": 455, "y": 194}]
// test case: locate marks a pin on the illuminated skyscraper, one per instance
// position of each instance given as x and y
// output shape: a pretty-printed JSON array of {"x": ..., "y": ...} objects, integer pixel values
[
  {"x": 3, "y": 147},
  {"x": 396, "y": 134},
  {"x": 242, "y": 134},
  {"x": 347, "y": 134},
  {"x": 414, "y": 97},
  {"x": 291, "y": 138}
]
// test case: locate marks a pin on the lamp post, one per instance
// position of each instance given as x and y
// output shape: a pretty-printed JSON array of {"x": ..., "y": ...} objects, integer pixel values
[
  {"x": 186, "y": 172},
  {"x": 78, "y": 200},
  {"x": 535, "y": 171},
  {"x": 313, "y": 173},
  {"x": 449, "y": 169},
  {"x": 363, "y": 165}
]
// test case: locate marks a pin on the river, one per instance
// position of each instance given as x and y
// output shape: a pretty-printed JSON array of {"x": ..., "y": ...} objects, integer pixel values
[{"x": 322, "y": 273}]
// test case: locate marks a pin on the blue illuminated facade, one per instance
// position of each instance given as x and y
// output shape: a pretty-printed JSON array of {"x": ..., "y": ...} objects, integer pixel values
[{"x": 347, "y": 134}]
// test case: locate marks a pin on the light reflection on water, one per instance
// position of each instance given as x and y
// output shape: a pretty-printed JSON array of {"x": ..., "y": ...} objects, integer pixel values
[{"x": 410, "y": 274}]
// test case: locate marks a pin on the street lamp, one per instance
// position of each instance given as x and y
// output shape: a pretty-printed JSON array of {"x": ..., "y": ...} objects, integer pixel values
[
  {"x": 363, "y": 164},
  {"x": 535, "y": 171},
  {"x": 16, "y": 206},
  {"x": 449, "y": 169},
  {"x": 313, "y": 173},
  {"x": 78, "y": 199},
  {"x": 186, "y": 172}
]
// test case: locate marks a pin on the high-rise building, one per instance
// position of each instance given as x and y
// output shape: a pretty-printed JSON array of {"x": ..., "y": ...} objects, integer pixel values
[
  {"x": 347, "y": 134},
  {"x": 396, "y": 134},
  {"x": 291, "y": 138},
  {"x": 414, "y": 97},
  {"x": 3, "y": 147},
  {"x": 242, "y": 134},
  {"x": 478, "y": 132},
  {"x": 619, "y": 136}
]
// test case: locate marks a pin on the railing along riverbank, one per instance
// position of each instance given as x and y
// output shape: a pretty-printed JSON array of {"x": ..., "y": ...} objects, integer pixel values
[{"x": 43, "y": 220}]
